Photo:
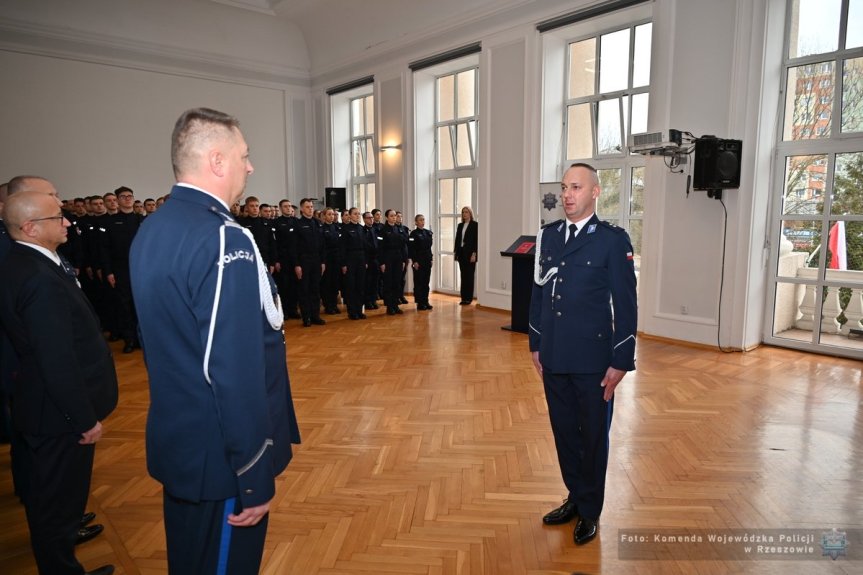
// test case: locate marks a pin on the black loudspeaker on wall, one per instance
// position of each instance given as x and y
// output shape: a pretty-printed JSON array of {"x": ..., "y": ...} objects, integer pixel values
[
  {"x": 717, "y": 164},
  {"x": 336, "y": 198}
]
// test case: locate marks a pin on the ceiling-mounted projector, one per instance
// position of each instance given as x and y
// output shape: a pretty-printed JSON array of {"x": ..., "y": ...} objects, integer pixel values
[{"x": 664, "y": 143}]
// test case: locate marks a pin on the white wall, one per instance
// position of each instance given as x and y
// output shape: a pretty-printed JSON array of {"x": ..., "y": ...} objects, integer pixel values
[{"x": 91, "y": 128}]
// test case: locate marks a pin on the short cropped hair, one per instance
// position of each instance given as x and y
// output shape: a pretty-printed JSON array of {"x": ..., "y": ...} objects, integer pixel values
[{"x": 194, "y": 129}]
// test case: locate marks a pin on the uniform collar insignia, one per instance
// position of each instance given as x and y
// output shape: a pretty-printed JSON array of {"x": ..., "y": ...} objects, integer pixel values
[{"x": 591, "y": 228}]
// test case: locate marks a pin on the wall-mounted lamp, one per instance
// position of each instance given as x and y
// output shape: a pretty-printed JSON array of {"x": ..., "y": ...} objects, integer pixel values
[{"x": 391, "y": 147}]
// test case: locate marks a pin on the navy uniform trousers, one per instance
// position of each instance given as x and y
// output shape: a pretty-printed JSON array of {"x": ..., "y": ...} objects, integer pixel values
[
  {"x": 204, "y": 542},
  {"x": 581, "y": 441}
]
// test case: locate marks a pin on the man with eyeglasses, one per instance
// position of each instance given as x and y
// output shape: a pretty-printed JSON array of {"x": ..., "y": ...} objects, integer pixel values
[
  {"x": 120, "y": 230},
  {"x": 66, "y": 383}
]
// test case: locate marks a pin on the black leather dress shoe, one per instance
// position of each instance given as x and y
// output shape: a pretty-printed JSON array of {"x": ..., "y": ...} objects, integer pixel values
[
  {"x": 464, "y": 303},
  {"x": 585, "y": 530},
  {"x": 87, "y": 519},
  {"x": 103, "y": 570},
  {"x": 307, "y": 323},
  {"x": 87, "y": 533},
  {"x": 392, "y": 311},
  {"x": 362, "y": 316},
  {"x": 318, "y": 321},
  {"x": 403, "y": 300},
  {"x": 128, "y": 348},
  {"x": 563, "y": 514}
]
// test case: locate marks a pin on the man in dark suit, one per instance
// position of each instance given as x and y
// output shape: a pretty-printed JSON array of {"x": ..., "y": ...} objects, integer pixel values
[
  {"x": 466, "y": 246},
  {"x": 221, "y": 419},
  {"x": 66, "y": 384},
  {"x": 579, "y": 345}
]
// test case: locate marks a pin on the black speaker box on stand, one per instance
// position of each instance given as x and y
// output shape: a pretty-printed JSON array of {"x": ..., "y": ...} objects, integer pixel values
[{"x": 717, "y": 165}]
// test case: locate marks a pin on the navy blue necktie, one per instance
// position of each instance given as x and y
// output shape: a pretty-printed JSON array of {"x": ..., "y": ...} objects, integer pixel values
[
  {"x": 572, "y": 229},
  {"x": 67, "y": 267}
]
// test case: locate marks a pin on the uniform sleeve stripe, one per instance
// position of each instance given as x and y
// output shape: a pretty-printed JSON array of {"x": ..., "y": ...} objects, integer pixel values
[
  {"x": 632, "y": 337},
  {"x": 534, "y": 329},
  {"x": 256, "y": 458},
  {"x": 215, "y": 311}
]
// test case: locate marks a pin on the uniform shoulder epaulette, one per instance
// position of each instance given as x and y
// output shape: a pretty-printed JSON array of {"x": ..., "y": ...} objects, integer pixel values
[
  {"x": 554, "y": 223},
  {"x": 612, "y": 227}
]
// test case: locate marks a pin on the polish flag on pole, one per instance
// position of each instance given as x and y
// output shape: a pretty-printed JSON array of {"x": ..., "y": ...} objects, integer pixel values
[{"x": 836, "y": 244}]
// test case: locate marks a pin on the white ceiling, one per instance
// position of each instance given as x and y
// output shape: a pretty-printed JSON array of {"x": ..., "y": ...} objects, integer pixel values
[{"x": 337, "y": 31}]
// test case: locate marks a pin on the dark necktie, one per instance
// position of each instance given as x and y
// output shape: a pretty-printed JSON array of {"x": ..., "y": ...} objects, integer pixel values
[
  {"x": 572, "y": 229},
  {"x": 67, "y": 267}
]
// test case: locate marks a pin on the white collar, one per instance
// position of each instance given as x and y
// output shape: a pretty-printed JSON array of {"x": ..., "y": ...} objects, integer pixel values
[{"x": 44, "y": 251}]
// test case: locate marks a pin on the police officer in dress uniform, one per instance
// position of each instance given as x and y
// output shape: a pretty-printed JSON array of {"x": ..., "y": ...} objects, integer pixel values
[
  {"x": 308, "y": 262},
  {"x": 420, "y": 250},
  {"x": 221, "y": 419},
  {"x": 331, "y": 277},
  {"x": 262, "y": 231},
  {"x": 120, "y": 230},
  {"x": 394, "y": 255},
  {"x": 373, "y": 271},
  {"x": 403, "y": 229},
  {"x": 92, "y": 230},
  {"x": 579, "y": 346},
  {"x": 286, "y": 279},
  {"x": 352, "y": 249}
]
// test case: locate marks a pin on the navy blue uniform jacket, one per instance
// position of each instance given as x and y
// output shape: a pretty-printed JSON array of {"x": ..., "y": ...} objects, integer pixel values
[
  {"x": 221, "y": 419},
  {"x": 571, "y": 320}
]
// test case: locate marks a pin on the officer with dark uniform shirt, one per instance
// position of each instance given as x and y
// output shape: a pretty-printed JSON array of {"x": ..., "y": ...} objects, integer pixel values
[
  {"x": 261, "y": 230},
  {"x": 352, "y": 249},
  {"x": 120, "y": 230},
  {"x": 331, "y": 276},
  {"x": 420, "y": 250},
  {"x": 92, "y": 230},
  {"x": 579, "y": 346},
  {"x": 403, "y": 229},
  {"x": 309, "y": 255},
  {"x": 373, "y": 272},
  {"x": 394, "y": 255},
  {"x": 285, "y": 277},
  {"x": 378, "y": 224}
]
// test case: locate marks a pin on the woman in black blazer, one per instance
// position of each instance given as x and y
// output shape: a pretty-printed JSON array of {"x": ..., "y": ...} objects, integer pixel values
[{"x": 466, "y": 244}]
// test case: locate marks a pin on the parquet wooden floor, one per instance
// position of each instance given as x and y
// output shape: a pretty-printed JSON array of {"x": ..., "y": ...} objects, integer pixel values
[{"x": 427, "y": 450}]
